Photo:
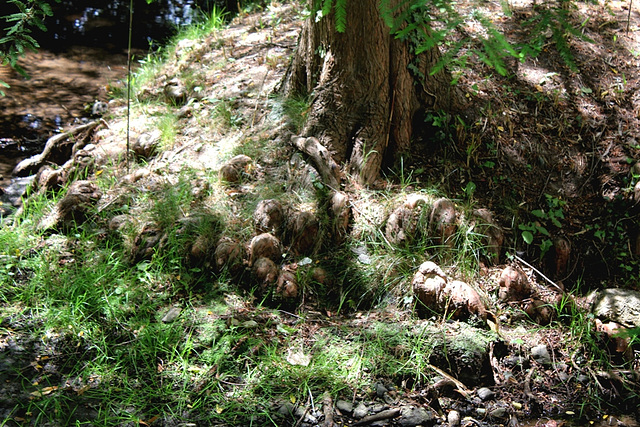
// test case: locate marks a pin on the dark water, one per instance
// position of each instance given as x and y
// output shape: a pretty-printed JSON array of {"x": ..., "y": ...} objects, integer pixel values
[
  {"x": 82, "y": 51},
  {"x": 105, "y": 23}
]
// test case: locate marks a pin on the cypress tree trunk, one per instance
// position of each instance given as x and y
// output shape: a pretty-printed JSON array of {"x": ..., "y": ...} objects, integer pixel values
[{"x": 364, "y": 95}]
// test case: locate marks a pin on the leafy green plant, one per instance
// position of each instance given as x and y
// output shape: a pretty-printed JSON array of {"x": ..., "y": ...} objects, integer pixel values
[
  {"x": 17, "y": 39},
  {"x": 431, "y": 24},
  {"x": 544, "y": 219}
]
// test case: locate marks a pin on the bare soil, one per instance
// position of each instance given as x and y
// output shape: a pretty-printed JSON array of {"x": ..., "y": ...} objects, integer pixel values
[{"x": 58, "y": 92}]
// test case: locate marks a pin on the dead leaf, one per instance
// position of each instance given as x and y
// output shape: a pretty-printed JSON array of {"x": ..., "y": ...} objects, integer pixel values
[{"x": 44, "y": 391}]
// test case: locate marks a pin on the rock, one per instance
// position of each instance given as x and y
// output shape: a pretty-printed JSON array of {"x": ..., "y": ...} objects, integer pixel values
[
  {"x": 269, "y": 217},
  {"x": 499, "y": 413},
  {"x": 485, "y": 393},
  {"x": 171, "y": 315},
  {"x": 303, "y": 228},
  {"x": 540, "y": 354},
  {"x": 360, "y": 411},
  {"x": 493, "y": 234},
  {"x": 265, "y": 272},
  {"x": 411, "y": 417},
  {"x": 443, "y": 221},
  {"x": 265, "y": 245},
  {"x": 618, "y": 305},
  {"x": 146, "y": 144},
  {"x": 344, "y": 406},
  {"x": 453, "y": 418},
  {"x": 229, "y": 254},
  {"x": 73, "y": 208},
  {"x": 514, "y": 285},
  {"x": 380, "y": 389}
]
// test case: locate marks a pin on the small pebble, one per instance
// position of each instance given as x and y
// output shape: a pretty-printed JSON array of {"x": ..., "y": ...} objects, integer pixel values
[
  {"x": 453, "y": 418},
  {"x": 540, "y": 354},
  {"x": 485, "y": 394},
  {"x": 380, "y": 389},
  {"x": 171, "y": 315},
  {"x": 498, "y": 413},
  {"x": 344, "y": 406},
  {"x": 360, "y": 411}
]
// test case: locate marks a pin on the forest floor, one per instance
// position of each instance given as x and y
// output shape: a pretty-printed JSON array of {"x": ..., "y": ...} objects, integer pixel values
[{"x": 546, "y": 139}]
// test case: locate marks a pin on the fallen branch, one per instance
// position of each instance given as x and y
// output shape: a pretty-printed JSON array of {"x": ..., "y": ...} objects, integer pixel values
[
  {"x": 460, "y": 387},
  {"x": 540, "y": 273},
  {"x": 327, "y": 405},
  {"x": 383, "y": 415}
]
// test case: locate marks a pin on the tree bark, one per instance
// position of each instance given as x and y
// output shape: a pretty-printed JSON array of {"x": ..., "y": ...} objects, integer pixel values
[{"x": 364, "y": 95}]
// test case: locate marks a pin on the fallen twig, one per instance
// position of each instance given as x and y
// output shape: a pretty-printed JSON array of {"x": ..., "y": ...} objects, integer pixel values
[
  {"x": 540, "y": 273},
  {"x": 462, "y": 389},
  {"x": 327, "y": 405},
  {"x": 383, "y": 415}
]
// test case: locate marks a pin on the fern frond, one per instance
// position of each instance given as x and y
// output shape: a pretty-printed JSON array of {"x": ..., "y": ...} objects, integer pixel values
[
  {"x": 326, "y": 7},
  {"x": 341, "y": 15}
]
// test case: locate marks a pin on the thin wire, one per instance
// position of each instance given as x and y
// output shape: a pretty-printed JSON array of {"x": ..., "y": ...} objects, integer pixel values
[{"x": 129, "y": 81}]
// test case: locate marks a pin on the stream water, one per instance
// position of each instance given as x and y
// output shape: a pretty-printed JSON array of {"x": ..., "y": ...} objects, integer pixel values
[{"x": 83, "y": 51}]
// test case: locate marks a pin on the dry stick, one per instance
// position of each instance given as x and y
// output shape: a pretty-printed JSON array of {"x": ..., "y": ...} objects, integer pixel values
[
  {"x": 384, "y": 415},
  {"x": 539, "y": 272},
  {"x": 629, "y": 16},
  {"x": 129, "y": 82},
  {"x": 302, "y": 417},
  {"x": 527, "y": 385},
  {"x": 327, "y": 405},
  {"x": 461, "y": 388}
]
